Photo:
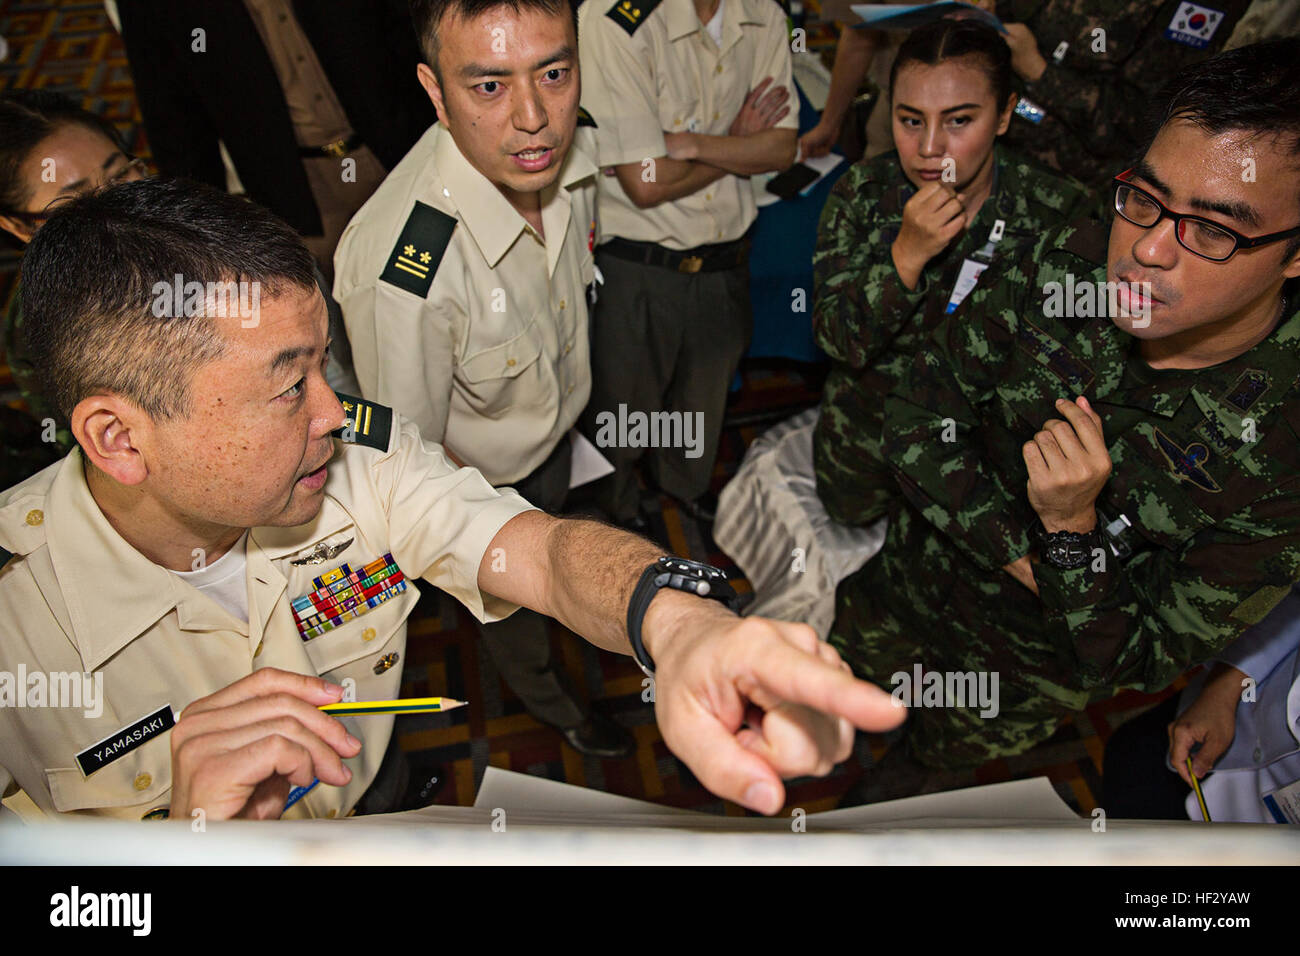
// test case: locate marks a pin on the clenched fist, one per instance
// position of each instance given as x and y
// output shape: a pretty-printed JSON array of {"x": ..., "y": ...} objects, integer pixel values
[
  {"x": 1068, "y": 465},
  {"x": 931, "y": 219}
]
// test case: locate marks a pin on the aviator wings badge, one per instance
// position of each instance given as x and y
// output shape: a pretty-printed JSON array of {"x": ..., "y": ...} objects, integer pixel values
[
  {"x": 322, "y": 553},
  {"x": 1187, "y": 463}
]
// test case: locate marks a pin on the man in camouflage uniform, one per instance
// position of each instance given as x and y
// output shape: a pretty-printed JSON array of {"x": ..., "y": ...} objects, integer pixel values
[
  {"x": 1092, "y": 67},
  {"x": 1177, "y": 471},
  {"x": 871, "y": 324}
]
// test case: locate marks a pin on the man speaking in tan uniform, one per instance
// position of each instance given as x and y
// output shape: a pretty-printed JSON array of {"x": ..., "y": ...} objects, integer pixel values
[
  {"x": 462, "y": 283},
  {"x": 209, "y": 439}
]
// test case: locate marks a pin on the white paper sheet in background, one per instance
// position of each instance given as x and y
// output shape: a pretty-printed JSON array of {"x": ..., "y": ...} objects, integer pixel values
[
  {"x": 587, "y": 463},
  {"x": 1015, "y": 801}
]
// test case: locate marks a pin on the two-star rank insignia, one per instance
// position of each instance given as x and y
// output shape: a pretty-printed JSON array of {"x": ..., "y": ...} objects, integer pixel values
[
  {"x": 366, "y": 423},
  {"x": 630, "y": 14},
  {"x": 1187, "y": 463},
  {"x": 414, "y": 260}
]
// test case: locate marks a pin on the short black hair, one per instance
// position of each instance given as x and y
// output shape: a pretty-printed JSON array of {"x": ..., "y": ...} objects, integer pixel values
[
  {"x": 427, "y": 14},
  {"x": 947, "y": 39},
  {"x": 1254, "y": 89},
  {"x": 88, "y": 293},
  {"x": 26, "y": 118}
]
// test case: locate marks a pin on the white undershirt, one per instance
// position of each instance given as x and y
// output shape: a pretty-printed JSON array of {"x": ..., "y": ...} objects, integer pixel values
[
  {"x": 224, "y": 579},
  {"x": 714, "y": 26}
]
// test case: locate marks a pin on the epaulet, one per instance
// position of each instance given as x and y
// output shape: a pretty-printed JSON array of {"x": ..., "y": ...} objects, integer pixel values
[
  {"x": 584, "y": 118},
  {"x": 630, "y": 14},
  {"x": 419, "y": 249},
  {"x": 366, "y": 424}
]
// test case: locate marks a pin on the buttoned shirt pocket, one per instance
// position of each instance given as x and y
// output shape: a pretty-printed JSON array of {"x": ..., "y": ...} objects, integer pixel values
[
  {"x": 1146, "y": 487},
  {"x": 366, "y": 636},
  {"x": 496, "y": 379},
  {"x": 142, "y": 779}
]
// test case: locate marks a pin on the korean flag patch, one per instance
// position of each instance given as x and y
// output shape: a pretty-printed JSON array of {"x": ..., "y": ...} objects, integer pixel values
[{"x": 1194, "y": 25}]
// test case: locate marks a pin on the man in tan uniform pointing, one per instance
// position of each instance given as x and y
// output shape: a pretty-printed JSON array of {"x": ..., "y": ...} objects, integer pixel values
[{"x": 208, "y": 435}]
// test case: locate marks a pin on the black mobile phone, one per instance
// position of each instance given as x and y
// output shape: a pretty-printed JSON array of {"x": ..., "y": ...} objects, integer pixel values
[{"x": 788, "y": 184}]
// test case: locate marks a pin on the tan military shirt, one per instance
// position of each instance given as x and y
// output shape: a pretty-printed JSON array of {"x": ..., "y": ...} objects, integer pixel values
[
  {"x": 650, "y": 67},
  {"x": 480, "y": 338},
  {"x": 77, "y": 599}
]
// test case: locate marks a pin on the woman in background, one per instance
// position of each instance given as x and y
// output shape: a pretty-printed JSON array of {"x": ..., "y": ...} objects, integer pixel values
[
  {"x": 904, "y": 236},
  {"x": 51, "y": 150}
]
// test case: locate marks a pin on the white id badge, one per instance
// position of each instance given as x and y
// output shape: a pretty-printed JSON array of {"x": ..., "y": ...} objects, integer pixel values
[
  {"x": 966, "y": 280},
  {"x": 1283, "y": 804}
]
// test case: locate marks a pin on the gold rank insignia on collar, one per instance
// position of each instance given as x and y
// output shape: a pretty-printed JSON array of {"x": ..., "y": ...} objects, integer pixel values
[
  {"x": 366, "y": 423},
  {"x": 630, "y": 14},
  {"x": 322, "y": 553},
  {"x": 414, "y": 260}
]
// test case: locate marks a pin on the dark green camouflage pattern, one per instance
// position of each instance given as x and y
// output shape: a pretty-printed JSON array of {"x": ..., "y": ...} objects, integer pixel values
[
  {"x": 1097, "y": 101},
  {"x": 871, "y": 325},
  {"x": 1214, "y": 547}
]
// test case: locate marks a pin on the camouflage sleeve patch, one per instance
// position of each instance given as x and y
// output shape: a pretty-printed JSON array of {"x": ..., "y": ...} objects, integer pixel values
[
  {"x": 630, "y": 14},
  {"x": 366, "y": 423},
  {"x": 585, "y": 119},
  {"x": 414, "y": 260}
]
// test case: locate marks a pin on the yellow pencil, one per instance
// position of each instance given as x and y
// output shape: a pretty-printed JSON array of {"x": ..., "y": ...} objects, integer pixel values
[
  {"x": 409, "y": 705},
  {"x": 1200, "y": 798}
]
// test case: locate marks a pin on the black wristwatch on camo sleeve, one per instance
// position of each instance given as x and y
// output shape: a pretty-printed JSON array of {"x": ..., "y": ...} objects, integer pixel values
[
  {"x": 680, "y": 574},
  {"x": 1067, "y": 550}
]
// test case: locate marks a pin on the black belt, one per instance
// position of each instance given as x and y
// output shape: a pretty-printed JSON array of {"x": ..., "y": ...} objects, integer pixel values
[
  {"x": 340, "y": 147},
  {"x": 712, "y": 258}
]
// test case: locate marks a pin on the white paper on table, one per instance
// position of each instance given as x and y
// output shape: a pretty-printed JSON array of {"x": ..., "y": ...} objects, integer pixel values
[
  {"x": 523, "y": 792},
  {"x": 587, "y": 463},
  {"x": 1012, "y": 802}
]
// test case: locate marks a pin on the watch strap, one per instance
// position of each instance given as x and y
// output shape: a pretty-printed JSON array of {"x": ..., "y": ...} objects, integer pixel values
[
  {"x": 642, "y": 595},
  {"x": 679, "y": 574}
]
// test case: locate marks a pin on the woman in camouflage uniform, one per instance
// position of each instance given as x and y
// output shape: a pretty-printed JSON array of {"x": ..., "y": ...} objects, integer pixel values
[{"x": 903, "y": 234}]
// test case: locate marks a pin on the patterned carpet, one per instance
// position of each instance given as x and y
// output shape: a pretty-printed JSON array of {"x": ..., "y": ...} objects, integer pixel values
[{"x": 71, "y": 46}]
